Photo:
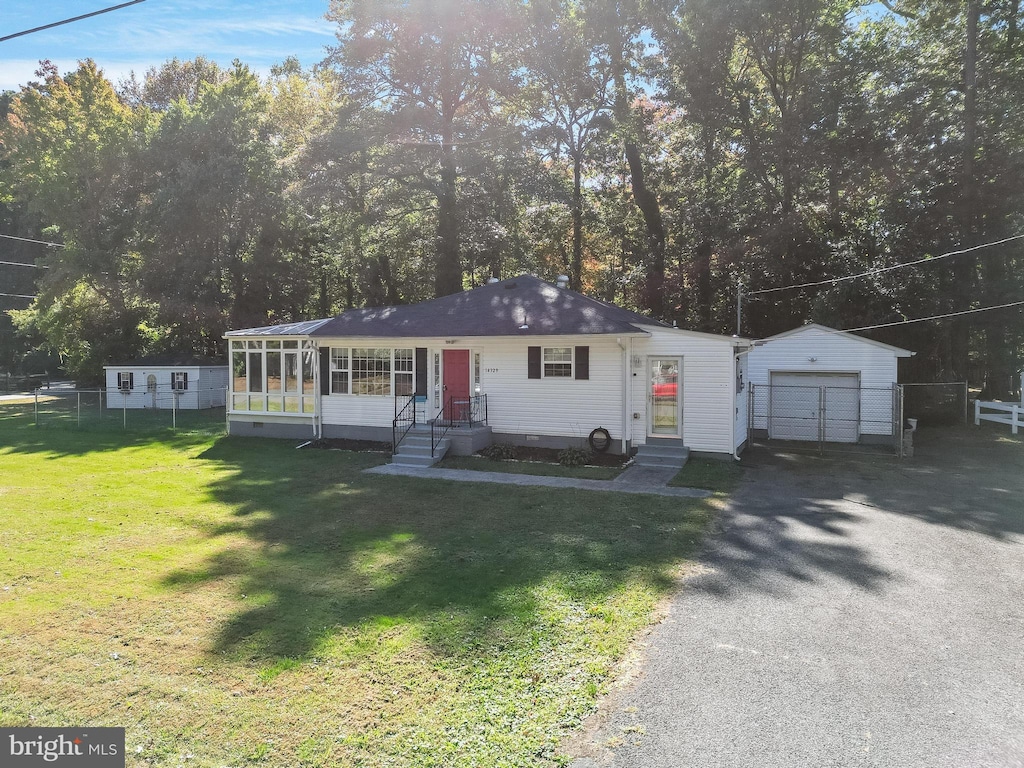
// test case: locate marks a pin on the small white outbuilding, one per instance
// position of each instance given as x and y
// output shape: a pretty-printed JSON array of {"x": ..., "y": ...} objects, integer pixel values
[
  {"x": 184, "y": 382},
  {"x": 818, "y": 383}
]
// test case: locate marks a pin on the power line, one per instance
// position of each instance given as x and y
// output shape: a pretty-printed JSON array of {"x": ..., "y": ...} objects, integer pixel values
[
  {"x": 68, "y": 21},
  {"x": 883, "y": 269},
  {"x": 21, "y": 264},
  {"x": 18, "y": 296},
  {"x": 30, "y": 240},
  {"x": 937, "y": 317}
]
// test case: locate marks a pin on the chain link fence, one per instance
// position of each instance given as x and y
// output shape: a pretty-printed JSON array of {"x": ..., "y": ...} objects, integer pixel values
[
  {"x": 828, "y": 417},
  {"x": 113, "y": 409}
]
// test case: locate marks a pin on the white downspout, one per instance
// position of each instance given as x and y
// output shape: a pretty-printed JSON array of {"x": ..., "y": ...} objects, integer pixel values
[
  {"x": 317, "y": 393},
  {"x": 735, "y": 371},
  {"x": 625, "y": 397}
]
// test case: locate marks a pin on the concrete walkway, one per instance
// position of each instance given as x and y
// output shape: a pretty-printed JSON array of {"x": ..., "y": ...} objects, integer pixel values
[{"x": 647, "y": 480}]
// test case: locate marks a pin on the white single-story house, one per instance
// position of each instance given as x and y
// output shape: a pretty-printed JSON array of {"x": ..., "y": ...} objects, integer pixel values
[
  {"x": 818, "y": 383},
  {"x": 185, "y": 382},
  {"x": 529, "y": 362}
]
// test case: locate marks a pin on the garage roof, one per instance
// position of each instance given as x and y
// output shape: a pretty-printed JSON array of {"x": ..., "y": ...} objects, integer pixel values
[{"x": 898, "y": 351}]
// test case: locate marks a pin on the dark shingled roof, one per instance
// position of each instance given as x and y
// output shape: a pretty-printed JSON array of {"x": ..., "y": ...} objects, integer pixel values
[{"x": 519, "y": 306}]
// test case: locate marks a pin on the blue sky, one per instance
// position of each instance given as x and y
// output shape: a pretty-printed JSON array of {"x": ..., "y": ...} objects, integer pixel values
[{"x": 259, "y": 32}]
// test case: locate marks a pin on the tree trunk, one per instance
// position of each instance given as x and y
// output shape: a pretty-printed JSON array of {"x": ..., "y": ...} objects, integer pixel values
[
  {"x": 646, "y": 201},
  {"x": 963, "y": 269},
  {"x": 704, "y": 291},
  {"x": 448, "y": 274},
  {"x": 576, "y": 265},
  {"x": 997, "y": 348}
]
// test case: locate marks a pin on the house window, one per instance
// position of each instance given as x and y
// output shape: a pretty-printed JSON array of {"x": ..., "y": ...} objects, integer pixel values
[
  {"x": 371, "y": 371},
  {"x": 125, "y": 381},
  {"x": 476, "y": 373},
  {"x": 179, "y": 381},
  {"x": 557, "y": 362},
  {"x": 339, "y": 371},
  {"x": 404, "y": 368}
]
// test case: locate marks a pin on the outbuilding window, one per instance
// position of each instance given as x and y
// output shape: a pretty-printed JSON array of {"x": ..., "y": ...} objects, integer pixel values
[
  {"x": 125, "y": 381},
  {"x": 179, "y": 381}
]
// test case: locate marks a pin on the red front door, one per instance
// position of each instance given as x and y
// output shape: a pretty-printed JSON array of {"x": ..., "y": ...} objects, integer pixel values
[{"x": 456, "y": 378}]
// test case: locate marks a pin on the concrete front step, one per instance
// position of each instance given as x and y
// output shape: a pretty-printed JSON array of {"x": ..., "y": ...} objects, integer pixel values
[
  {"x": 414, "y": 451},
  {"x": 655, "y": 455}
]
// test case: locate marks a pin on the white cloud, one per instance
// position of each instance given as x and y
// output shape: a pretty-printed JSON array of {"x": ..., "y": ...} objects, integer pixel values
[
  {"x": 18, "y": 72},
  {"x": 258, "y": 33}
]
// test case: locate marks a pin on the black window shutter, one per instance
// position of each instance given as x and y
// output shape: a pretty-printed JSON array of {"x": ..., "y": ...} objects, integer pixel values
[
  {"x": 421, "y": 371},
  {"x": 533, "y": 362},
  {"x": 582, "y": 362},
  {"x": 325, "y": 371},
  {"x": 184, "y": 383}
]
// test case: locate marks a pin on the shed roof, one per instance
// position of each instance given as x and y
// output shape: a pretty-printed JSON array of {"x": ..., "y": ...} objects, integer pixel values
[
  {"x": 898, "y": 351},
  {"x": 520, "y": 306},
  {"x": 171, "y": 360}
]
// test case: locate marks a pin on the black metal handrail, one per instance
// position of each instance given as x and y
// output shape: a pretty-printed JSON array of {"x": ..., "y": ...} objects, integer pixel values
[
  {"x": 457, "y": 411},
  {"x": 439, "y": 427},
  {"x": 405, "y": 419},
  {"x": 471, "y": 411}
]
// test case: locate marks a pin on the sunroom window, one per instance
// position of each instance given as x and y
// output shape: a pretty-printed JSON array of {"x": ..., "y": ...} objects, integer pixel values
[{"x": 272, "y": 376}]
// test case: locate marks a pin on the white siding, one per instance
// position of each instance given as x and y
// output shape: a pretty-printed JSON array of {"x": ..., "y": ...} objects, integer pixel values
[
  {"x": 708, "y": 387},
  {"x": 835, "y": 353},
  {"x": 198, "y": 394},
  {"x": 516, "y": 404},
  {"x": 555, "y": 407},
  {"x": 213, "y": 386}
]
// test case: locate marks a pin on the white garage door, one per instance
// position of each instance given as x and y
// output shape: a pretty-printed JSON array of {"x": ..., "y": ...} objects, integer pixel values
[{"x": 803, "y": 405}]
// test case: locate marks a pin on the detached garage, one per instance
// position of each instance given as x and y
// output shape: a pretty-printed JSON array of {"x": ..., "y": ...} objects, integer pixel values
[{"x": 817, "y": 383}]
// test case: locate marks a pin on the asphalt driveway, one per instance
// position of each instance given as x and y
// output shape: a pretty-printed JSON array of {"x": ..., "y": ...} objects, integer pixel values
[{"x": 852, "y": 611}]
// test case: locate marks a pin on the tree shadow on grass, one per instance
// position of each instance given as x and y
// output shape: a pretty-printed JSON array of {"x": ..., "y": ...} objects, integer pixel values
[
  {"x": 467, "y": 565},
  {"x": 60, "y": 434},
  {"x": 463, "y": 564}
]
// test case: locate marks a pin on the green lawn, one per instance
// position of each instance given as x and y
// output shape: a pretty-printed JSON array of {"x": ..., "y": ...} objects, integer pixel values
[
  {"x": 239, "y": 602},
  {"x": 480, "y": 464},
  {"x": 719, "y": 475}
]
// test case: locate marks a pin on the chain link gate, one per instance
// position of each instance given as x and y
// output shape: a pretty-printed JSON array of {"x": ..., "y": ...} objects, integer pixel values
[{"x": 832, "y": 417}]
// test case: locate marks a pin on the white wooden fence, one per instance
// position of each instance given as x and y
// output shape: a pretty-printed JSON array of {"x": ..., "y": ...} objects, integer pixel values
[{"x": 1005, "y": 413}]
